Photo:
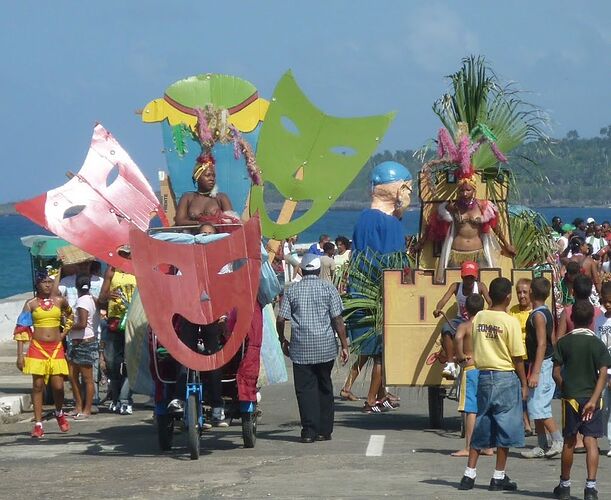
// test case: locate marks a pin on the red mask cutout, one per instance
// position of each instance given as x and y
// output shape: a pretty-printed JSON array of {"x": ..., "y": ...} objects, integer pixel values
[
  {"x": 199, "y": 293},
  {"x": 95, "y": 216}
]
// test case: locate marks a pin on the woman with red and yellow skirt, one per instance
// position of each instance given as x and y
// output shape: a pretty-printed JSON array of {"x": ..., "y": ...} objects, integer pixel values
[{"x": 39, "y": 324}]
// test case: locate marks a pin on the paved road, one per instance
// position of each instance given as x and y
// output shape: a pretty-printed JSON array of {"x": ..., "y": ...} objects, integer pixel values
[{"x": 117, "y": 457}]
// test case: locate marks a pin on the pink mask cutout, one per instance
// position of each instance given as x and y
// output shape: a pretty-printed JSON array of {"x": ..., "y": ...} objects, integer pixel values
[
  {"x": 91, "y": 215},
  {"x": 200, "y": 294}
]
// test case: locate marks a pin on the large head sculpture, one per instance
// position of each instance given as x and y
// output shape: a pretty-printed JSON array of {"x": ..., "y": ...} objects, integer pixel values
[{"x": 391, "y": 188}]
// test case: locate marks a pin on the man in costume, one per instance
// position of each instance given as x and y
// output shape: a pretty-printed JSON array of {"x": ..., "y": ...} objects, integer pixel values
[{"x": 377, "y": 234}]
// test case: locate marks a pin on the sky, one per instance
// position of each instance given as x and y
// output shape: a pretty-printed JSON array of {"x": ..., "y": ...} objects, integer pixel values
[{"x": 67, "y": 65}]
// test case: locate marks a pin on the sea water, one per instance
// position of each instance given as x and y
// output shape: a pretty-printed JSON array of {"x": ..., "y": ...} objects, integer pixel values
[{"x": 15, "y": 269}]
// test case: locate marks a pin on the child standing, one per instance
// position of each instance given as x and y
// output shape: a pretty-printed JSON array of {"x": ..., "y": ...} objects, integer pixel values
[
  {"x": 540, "y": 349},
  {"x": 602, "y": 329},
  {"x": 497, "y": 351},
  {"x": 585, "y": 360},
  {"x": 467, "y": 403},
  {"x": 469, "y": 272}
]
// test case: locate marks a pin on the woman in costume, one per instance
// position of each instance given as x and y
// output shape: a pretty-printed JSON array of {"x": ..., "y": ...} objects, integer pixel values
[
  {"x": 206, "y": 204},
  {"x": 40, "y": 323},
  {"x": 464, "y": 225}
]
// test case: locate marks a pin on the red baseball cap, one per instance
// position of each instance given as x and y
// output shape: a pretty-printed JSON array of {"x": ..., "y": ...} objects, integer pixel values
[{"x": 469, "y": 268}]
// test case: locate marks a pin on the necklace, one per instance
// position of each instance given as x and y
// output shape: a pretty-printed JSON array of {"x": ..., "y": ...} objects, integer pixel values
[
  {"x": 45, "y": 304},
  {"x": 464, "y": 204},
  {"x": 204, "y": 193}
]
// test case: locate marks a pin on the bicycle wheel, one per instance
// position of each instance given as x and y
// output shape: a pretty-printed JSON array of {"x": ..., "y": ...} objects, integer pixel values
[
  {"x": 249, "y": 429},
  {"x": 165, "y": 431},
  {"x": 193, "y": 426}
]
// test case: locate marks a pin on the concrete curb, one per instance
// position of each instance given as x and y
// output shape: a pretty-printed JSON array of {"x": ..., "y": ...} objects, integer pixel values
[{"x": 12, "y": 406}]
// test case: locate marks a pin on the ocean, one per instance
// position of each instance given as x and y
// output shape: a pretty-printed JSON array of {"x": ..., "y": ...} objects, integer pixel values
[{"x": 15, "y": 273}]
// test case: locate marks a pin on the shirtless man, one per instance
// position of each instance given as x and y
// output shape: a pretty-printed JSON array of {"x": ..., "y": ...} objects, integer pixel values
[
  {"x": 589, "y": 267},
  {"x": 205, "y": 201}
]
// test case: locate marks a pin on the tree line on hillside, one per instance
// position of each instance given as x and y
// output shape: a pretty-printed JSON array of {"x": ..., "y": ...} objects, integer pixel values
[{"x": 562, "y": 172}]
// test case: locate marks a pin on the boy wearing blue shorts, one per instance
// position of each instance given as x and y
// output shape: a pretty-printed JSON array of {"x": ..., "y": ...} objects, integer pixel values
[
  {"x": 541, "y": 385},
  {"x": 497, "y": 352},
  {"x": 467, "y": 402},
  {"x": 580, "y": 370}
]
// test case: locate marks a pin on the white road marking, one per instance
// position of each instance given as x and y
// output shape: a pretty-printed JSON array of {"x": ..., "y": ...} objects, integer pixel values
[{"x": 375, "y": 447}]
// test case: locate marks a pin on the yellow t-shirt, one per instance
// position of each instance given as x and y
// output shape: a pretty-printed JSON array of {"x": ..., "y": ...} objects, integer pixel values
[
  {"x": 126, "y": 283},
  {"x": 522, "y": 317},
  {"x": 496, "y": 339}
]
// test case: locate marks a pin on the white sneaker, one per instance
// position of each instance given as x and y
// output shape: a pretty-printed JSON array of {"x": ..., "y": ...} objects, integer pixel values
[
  {"x": 555, "y": 449},
  {"x": 176, "y": 406},
  {"x": 609, "y": 453},
  {"x": 126, "y": 409},
  {"x": 536, "y": 452},
  {"x": 450, "y": 370}
]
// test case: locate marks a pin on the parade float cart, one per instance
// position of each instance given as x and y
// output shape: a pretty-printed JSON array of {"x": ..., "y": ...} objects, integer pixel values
[
  {"x": 169, "y": 350},
  {"x": 483, "y": 120}
]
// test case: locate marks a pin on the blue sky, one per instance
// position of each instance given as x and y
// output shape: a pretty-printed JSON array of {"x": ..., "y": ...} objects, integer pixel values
[{"x": 66, "y": 65}]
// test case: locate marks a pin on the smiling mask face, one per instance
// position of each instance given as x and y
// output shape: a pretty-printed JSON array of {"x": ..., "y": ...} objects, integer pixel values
[
  {"x": 215, "y": 279},
  {"x": 331, "y": 151}
]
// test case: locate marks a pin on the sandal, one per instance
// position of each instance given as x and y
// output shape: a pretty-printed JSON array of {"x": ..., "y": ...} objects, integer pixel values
[
  {"x": 72, "y": 413},
  {"x": 80, "y": 416},
  {"x": 347, "y": 396}
]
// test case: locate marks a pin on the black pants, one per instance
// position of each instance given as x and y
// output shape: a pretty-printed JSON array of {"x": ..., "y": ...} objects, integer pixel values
[{"x": 314, "y": 391}]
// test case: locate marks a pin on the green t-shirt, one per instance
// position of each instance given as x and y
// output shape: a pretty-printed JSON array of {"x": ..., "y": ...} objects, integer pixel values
[{"x": 582, "y": 355}]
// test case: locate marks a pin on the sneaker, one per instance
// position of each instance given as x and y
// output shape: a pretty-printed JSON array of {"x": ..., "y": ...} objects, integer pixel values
[
  {"x": 536, "y": 452},
  {"x": 38, "y": 431},
  {"x": 609, "y": 453},
  {"x": 176, "y": 406},
  {"x": 217, "y": 422},
  {"x": 554, "y": 450},
  {"x": 112, "y": 407},
  {"x": 206, "y": 426},
  {"x": 466, "y": 483},
  {"x": 63, "y": 423},
  {"x": 590, "y": 494},
  {"x": 450, "y": 371},
  {"x": 562, "y": 492},
  {"x": 126, "y": 409},
  {"x": 504, "y": 484},
  {"x": 374, "y": 408},
  {"x": 387, "y": 403}
]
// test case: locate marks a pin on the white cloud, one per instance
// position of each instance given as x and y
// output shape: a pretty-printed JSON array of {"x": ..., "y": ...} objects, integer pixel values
[{"x": 436, "y": 37}]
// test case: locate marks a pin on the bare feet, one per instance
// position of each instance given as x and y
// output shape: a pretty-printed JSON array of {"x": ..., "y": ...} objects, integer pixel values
[
  {"x": 488, "y": 452},
  {"x": 460, "y": 453}
]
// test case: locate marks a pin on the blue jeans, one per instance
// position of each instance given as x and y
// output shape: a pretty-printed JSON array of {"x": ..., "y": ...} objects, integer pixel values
[
  {"x": 499, "y": 411},
  {"x": 539, "y": 402}
]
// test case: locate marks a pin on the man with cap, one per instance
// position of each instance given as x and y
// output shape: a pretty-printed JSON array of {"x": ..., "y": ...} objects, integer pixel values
[
  {"x": 563, "y": 241},
  {"x": 469, "y": 272},
  {"x": 314, "y": 308}
]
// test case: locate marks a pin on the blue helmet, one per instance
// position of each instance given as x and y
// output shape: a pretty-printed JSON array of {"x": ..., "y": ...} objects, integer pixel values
[{"x": 389, "y": 171}]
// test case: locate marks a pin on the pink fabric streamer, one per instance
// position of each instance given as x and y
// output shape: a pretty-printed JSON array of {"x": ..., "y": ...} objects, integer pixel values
[{"x": 237, "y": 137}]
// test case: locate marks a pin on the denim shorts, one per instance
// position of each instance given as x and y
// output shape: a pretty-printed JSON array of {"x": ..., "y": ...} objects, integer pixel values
[
  {"x": 539, "y": 401},
  {"x": 499, "y": 411},
  {"x": 449, "y": 328},
  {"x": 83, "y": 353}
]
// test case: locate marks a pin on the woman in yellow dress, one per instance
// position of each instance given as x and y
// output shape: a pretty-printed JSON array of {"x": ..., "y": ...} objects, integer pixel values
[{"x": 40, "y": 324}]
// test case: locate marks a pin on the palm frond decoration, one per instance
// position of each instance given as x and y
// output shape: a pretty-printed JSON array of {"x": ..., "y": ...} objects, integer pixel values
[
  {"x": 531, "y": 236},
  {"x": 478, "y": 98},
  {"x": 363, "y": 300}
]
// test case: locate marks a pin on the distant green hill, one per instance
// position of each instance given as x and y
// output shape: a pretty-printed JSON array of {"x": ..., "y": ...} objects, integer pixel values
[{"x": 568, "y": 172}]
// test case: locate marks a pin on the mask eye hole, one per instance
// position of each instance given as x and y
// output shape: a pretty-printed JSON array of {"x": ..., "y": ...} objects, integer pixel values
[
  {"x": 112, "y": 176},
  {"x": 289, "y": 125},
  {"x": 73, "y": 211},
  {"x": 167, "y": 269},
  {"x": 343, "y": 151},
  {"x": 232, "y": 267}
]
